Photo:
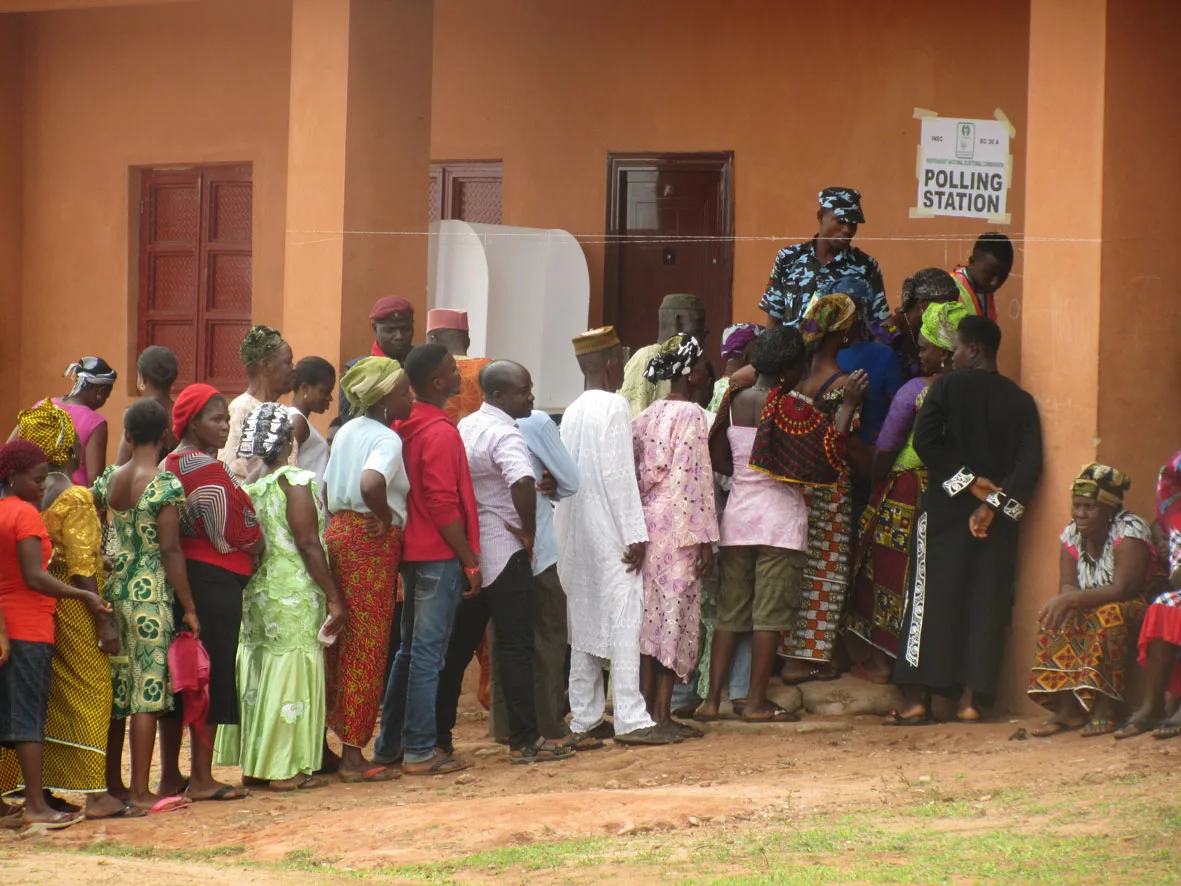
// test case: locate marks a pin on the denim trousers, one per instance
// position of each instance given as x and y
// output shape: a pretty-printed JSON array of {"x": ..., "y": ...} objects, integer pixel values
[{"x": 431, "y": 592}]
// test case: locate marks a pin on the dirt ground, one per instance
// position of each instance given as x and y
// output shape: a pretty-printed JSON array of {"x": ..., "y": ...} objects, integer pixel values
[{"x": 737, "y": 773}]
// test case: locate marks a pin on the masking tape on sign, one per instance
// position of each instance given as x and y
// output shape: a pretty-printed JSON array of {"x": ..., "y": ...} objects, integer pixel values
[
  {"x": 918, "y": 212},
  {"x": 1001, "y": 219},
  {"x": 1000, "y": 115},
  {"x": 924, "y": 114}
]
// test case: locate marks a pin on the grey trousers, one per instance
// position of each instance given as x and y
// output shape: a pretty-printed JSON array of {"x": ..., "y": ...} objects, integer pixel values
[{"x": 549, "y": 663}]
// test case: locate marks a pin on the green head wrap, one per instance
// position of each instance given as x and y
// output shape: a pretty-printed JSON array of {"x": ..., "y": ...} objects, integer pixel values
[
  {"x": 260, "y": 341},
  {"x": 369, "y": 380},
  {"x": 940, "y": 321}
]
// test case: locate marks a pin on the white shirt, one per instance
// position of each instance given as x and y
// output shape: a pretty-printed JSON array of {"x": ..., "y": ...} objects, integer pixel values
[
  {"x": 596, "y": 526},
  {"x": 366, "y": 445},
  {"x": 313, "y": 454},
  {"x": 498, "y": 457}
]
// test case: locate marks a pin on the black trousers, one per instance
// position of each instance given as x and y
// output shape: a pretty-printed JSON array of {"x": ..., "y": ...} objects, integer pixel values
[{"x": 508, "y": 601}]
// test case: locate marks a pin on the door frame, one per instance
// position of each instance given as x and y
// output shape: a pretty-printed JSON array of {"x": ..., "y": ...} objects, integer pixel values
[{"x": 619, "y": 163}]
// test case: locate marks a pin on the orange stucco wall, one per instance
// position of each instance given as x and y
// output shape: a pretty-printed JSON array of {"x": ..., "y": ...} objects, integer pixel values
[
  {"x": 1140, "y": 366},
  {"x": 11, "y": 209},
  {"x": 111, "y": 89},
  {"x": 805, "y": 97}
]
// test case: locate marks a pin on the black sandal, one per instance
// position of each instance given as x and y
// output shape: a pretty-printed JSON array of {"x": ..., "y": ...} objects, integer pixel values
[{"x": 538, "y": 752}]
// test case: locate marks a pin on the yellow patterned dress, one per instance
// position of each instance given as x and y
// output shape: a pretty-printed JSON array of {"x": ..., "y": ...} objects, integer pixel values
[{"x": 80, "y": 689}]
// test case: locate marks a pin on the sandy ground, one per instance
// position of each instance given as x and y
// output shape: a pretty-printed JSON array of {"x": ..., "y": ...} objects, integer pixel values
[{"x": 736, "y": 771}]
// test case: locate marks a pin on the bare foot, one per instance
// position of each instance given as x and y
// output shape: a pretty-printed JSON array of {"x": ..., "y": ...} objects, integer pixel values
[
  {"x": 215, "y": 790},
  {"x": 706, "y": 712},
  {"x": 102, "y": 805}
]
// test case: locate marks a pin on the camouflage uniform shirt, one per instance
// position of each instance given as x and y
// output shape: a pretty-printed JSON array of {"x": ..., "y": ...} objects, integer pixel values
[{"x": 798, "y": 277}]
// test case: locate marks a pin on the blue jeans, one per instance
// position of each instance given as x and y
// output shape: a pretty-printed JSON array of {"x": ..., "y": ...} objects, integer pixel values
[
  {"x": 431, "y": 592},
  {"x": 685, "y": 694}
]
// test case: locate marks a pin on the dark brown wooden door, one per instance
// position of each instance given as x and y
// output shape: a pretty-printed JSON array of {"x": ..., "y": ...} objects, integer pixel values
[
  {"x": 195, "y": 272},
  {"x": 669, "y": 230}
]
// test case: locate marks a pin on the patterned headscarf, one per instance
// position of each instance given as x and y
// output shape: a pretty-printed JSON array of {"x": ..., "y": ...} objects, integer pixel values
[
  {"x": 929, "y": 284},
  {"x": 260, "y": 341},
  {"x": 735, "y": 338},
  {"x": 90, "y": 371},
  {"x": 370, "y": 379},
  {"x": 265, "y": 432},
  {"x": 830, "y": 313},
  {"x": 51, "y": 428},
  {"x": 1105, "y": 484},
  {"x": 677, "y": 356},
  {"x": 940, "y": 321}
]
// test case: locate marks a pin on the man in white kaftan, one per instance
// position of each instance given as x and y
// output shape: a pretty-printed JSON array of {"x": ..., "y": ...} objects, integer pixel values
[{"x": 601, "y": 538}]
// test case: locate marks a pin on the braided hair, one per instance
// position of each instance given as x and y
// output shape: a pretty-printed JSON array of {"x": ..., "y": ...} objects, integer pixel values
[{"x": 265, "y": 432}]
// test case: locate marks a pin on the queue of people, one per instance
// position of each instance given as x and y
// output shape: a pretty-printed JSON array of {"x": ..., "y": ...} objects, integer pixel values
[{"x": 847, "y": 496}]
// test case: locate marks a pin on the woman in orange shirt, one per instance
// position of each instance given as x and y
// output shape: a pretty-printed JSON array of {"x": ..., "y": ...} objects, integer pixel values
[{"x": 28, "y": 599}]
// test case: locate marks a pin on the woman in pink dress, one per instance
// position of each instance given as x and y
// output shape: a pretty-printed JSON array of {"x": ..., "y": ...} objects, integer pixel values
[
  {"x": 671, "y": 445},
  {"x": 93, "y": 381}
]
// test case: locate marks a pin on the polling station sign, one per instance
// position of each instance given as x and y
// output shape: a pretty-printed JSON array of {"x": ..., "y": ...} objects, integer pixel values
[{"x": 963, "y": 169}]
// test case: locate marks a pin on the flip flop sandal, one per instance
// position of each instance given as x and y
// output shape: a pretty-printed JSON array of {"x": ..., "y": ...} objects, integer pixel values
[
  {"x": 441, "y": 764},
  {"x": 582, "y": 741},
  {"x": 685, "y": 711},
  {"x": 779, "y": 714},
  {"x": 14, "y": 819},
  {"x": 170, "y": 804},
  {"x": 373, "y": 774},
  {"x": 1051, "y": 727},
  {"x": 1133, "y": 728},
  {"x": 738, "y": 705},
  {"x": 1097, "y": 727},
  {"x": 897, "y": 719},
  {"x": 1166, "y": 731},
  {"x": 223, "y": 794},
  {"x": 307, "y": 783},
  {"x": 685, "y": 730},
  {"x": 129, "y": 810},
  {"x": 60, "y": 821},
  {"x": 705, "y": 718}
]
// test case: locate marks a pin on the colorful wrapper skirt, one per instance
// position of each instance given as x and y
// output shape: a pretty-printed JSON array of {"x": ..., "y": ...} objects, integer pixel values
[{"x": 366, "y": 572}]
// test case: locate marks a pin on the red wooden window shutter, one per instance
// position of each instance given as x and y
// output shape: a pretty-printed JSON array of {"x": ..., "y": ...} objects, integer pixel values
[{"x": 195, "y": 270}]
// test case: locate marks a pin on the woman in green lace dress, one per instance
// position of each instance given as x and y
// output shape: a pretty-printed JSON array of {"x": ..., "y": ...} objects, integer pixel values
[{"x": 280, "y": 665}]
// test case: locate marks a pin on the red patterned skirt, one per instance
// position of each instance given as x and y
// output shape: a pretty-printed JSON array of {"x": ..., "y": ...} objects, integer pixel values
[
  {"x": 366, "y": 571},
  {"x": 883, "y": 561},
  {"x": 826, "y": 577}
]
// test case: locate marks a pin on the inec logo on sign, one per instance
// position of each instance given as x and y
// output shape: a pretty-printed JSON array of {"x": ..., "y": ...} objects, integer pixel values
[{"x": 965, "y": 142}]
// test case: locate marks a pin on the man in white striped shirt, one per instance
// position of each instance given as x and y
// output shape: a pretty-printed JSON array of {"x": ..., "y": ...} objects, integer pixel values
[{"x": 506, "y": 500}]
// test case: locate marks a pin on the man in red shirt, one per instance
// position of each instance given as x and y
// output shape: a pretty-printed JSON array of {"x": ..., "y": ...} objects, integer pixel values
[{"x": 439, "y": 564}]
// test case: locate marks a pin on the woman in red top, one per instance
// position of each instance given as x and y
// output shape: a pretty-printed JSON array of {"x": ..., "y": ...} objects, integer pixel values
[
  {"x": 28, "y": 599},
  {"x": 219, "y": 537}
]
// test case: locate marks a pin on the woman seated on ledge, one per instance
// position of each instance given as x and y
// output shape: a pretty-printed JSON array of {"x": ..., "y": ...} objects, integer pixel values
[
  {"x": 1108, "y": 563},
  {"x": 1160, "y": 637}
]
